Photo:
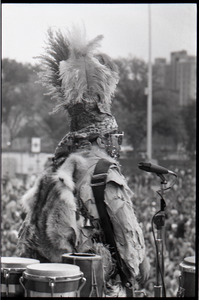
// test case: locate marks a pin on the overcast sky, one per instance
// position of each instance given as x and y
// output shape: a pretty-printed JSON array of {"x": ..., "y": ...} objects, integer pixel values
[{"x": 124, "y": 26}]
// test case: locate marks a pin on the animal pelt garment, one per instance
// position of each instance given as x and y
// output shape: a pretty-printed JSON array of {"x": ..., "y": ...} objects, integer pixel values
[{"x": 61, "y": 202}]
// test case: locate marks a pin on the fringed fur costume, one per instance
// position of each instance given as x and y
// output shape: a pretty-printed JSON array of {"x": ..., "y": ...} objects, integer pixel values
[{"x": 61, "y": 214}]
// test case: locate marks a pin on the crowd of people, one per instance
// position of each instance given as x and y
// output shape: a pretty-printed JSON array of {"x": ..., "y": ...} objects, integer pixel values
[
  {"x": 179, "y": 229},
  {"x": 179, "y": 224}
]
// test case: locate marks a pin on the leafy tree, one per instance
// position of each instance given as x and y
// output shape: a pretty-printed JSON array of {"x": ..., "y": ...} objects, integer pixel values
[
  {"x": 167, "y": 118},
  {"x": 189, "y": 120},
  {"x": 14, "y": 109},
  {"x": 14, "y": 72},
  {"x": 21, "y": 98},
  {"x": 14, "y": 80},
  {"x": 129, "y": 105},
  {"x": 26, "y": 108},
  {"x": 58, "y": 126}
]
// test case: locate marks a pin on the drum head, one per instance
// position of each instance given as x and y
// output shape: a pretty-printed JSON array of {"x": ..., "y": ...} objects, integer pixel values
[
  {"x": 190, "y": 260},
  {"x": 53, "y": 270},
  {"x": 17, "y": 262},
  {"x": 82, "y": 256},
  {"x": 188, "y": 264}
]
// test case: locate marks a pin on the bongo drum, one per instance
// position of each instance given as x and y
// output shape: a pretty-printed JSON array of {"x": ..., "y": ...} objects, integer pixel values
[
  {"x": 187, "y": 278},
  {"x": 52, "y": 280},
  {"x": 91, "y": 265},
  {"x": 11, "y": 271}
]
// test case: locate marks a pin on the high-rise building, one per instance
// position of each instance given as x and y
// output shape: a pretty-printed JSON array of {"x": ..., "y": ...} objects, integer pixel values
[
  {"x": 160, "y": 71},
  {"x": 179, "y": 75},
  {"x": 176, "y": 57},
  {"x": 186, "y": 77}
]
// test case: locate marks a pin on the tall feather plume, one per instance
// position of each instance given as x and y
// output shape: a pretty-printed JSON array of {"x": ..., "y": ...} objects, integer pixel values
[
  {"x": 74, "y": 72},
  {"x": 57, "y": 50}
]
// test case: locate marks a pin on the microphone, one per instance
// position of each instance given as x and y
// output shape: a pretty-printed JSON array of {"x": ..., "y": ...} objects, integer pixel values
[{"x": 148, "y": 167}]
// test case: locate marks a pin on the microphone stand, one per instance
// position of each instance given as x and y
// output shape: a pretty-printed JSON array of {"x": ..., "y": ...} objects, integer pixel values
[{"x": 159, "y": 221}]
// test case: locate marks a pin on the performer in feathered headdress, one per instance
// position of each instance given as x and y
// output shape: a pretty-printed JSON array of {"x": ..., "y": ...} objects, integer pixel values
[{"x": 62, "y": 201}]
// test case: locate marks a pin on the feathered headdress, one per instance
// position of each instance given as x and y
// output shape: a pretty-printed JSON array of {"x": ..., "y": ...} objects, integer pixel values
[{"x": 81, "y": 79}]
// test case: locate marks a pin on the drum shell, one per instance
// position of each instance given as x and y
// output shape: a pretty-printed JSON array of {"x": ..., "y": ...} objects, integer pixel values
[
  {"x": 12, "y": 288},
  {"x": 187, "y": 278},
  {"x": 37, "y": 285},
  {"x": 12, "y": 269},
  {"x": 88, "y": 262}
]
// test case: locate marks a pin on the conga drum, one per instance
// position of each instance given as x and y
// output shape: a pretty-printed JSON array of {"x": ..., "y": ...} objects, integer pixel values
[
  {"x": 91, "y": 265},
  {"x": 187, "y": 278},
  {"x": 52, "y": 280},
  {"x": 11, "y": 271}
]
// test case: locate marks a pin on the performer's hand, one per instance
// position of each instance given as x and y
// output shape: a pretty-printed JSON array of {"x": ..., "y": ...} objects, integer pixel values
[{"x": 144, "y": 272}]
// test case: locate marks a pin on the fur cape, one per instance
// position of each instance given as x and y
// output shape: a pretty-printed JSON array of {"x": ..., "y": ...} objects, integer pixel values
[
  {"x": 55, "y": 221},
  {"x": 61, "y": 202}
]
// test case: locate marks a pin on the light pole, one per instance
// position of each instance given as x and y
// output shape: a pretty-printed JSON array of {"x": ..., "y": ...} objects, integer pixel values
[{"x": 149, "y": 101}]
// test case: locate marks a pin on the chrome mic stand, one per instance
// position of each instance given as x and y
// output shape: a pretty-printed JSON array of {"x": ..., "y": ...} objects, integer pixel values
[{"x": 159, "y": 221}]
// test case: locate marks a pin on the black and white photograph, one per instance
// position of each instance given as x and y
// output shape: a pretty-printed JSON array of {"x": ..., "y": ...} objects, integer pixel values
[{"x": 98, "y": 150}]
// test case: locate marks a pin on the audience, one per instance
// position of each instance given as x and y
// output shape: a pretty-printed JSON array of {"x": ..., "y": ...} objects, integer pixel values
[{"x": 179, "y": 226}]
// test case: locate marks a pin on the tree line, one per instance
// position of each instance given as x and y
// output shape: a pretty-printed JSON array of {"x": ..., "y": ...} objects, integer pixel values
[{"x": 26, "y": 107}]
